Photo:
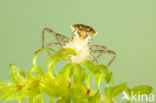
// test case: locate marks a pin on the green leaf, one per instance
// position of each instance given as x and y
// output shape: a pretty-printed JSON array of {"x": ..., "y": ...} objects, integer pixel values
[
  {"x": 36, "y": 54},
  {"x": 50, "y": 100},
  {"x": 108, "y": 92},
  {"x": 67, "y": 70},
  {"x": 90, "y": 65},
  {"x": 98, "y": 79},
  {"x": 69, "y": 51},
  {"x": 119, "y": 89},
  {"x": 17, "y": 74},
  {"x": 103, "y": 71},
  {"x": 39, "y": 98},
  {"x": 95, "y": 98},
  {"x": 128, "y": 92},
  {"x": 88, "y": 78},
  {"x": 79, "y": 73},
  {"x": 59, "y": 56},
  {"x": 98, "y": 69},
  {"x": 107, "y": 100},
  {"x": 53, "y": 87},
  {"x": 128, "y": 101},
  {"x": 36, "y": 99},
  {"x": 111, "y": 92},
  {"x": 78, "y": 92},
  {"x": 63, "y": 100},
  {"x": 37, "y": 69},
  {"x": 111, "y": 75},
  {"x": 60, "y": 100},
  {"x": 142, "y": 89}
]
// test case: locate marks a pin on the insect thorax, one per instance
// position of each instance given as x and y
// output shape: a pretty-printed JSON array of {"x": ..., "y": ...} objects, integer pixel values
[{"x": 82, "y": 49}]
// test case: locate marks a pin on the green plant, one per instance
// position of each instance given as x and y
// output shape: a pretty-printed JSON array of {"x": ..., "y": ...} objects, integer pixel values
[{"x": 72, "y": 84}]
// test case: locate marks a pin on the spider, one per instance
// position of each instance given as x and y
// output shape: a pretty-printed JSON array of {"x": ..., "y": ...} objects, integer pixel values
[{"x": 81, "y": 36}]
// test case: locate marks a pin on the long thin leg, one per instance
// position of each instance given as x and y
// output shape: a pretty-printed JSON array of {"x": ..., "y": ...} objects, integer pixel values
[
  {"x": 101, "y": 50},
  {"x": 97, "y": 49},
  {"x": 52, "y": 44},
  {"x": 49, "y": 45},
  {"x": 58, "y": 37},
  {"x": 94, "y": 59}
]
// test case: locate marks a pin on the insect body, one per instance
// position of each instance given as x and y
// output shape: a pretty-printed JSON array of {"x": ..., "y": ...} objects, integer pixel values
[{"x": 81, "y": 36}]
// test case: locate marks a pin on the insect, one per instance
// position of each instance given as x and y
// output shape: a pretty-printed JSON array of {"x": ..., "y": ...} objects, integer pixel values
[{"x": 81, "y": 36}]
